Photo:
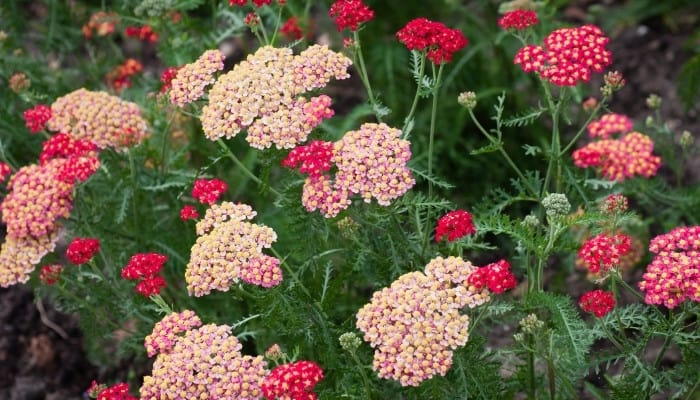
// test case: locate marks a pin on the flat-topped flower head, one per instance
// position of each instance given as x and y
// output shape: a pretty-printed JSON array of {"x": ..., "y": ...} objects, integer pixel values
[
  {"x": 454, "y": 225},
  {"x": 191, "y": 79},
  {"x": 609, "y": 124},
  {"x": 293, "y": 381},
  {"x": 81, "y": 250},
  {"x": 204, "y": 363},
  {"x": 143, "y": 265},
  {"x": 673, "y": 276},
  {"x": 208, "y": 191},
  {"x": 518, "y": 19},
  {"x": 568, "y": 55},
  {"x": 19, "y": 257},
  {"x": 99, "y": 117},
  {"x": 229, "y": 249},
  {"x": 312, "y": 159},
  {"x": 350, "y": 14},
  {"x": 36, "y": 118},
  {"x": 496, "y": 276},
  {"x": 188, "y": 212},
  {"x": 597, "y": 302},
  {"x": 415, "y": 324},
  {"x": 262, "y": 94},
  {"x": 439, "y": 41},
  {"x": 166, "y": 331},
  {"x": 604, "y": 251},
  {"x": 62, "y": 145},
  {"x": 620, "y": 159}
]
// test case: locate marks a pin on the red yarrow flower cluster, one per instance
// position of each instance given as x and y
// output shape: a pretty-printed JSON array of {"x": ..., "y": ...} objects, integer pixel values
[
  {"x": 294, "y": 381},
  {"x": 146, "y": 267},
  {"x": 620, "y": 159},
  {"x": 674, "y": 274},
  {"x": 188, "y": 212},
  {"x": 603, "y": 252},
  {"x": 81, "y": 250},
  {"x": 518, "y": 19},
  {"x": 315, "y": 158},
  {"x": 496, "y": 276},
  {"x": 598, "y": 302},
  {"x": 50, "y": 274},
  {"x": 438, "y": 40},
  {"x": 5, "y": 171},
  {"x": 291, "y": 29},
  {"x": 350, "y": 14},
  {"x": 208, "y": 191},
  {"x": 120, "y": 77},
  {"x": 568, "y": 56},
  {"x": 120, "y": 391},
  {"x": 36, "y": 117},
  {"x": 166, "y": 78},
  {"x": 608, "y": 125},
  {"x": 454, "y": 225},
  {"x": 144, "y": 33},
  {"x": 78, "y": 157}
]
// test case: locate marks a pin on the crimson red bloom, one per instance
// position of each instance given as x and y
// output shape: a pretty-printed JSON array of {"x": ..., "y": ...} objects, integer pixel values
[
  {"x": 258, "y": 3},
  {"x": 62, "y": 145},
  {"x": 497, "y": 276},
  {"x": 294, "y": 381},
  {"x": 120, "y": 391},
  {"x": 598, "y": 302},
  {"x": 36, "y": 118},
  {"x": 604, "y": 251},
  {"x": 5, "y": 170},
  {"x": 150, "y": 286},
  {"x": 350, "y": 14},
  {"x": 440, "y": 41},
  {"x": 50, "y": 274},
  {"x": 166, "y": 78},
  {"x": 143, "y": 265},
  {"x": 208, "y": 191},
  {"x": 315, "y": 158},
  {"x": 188, "y": 212},
  {"x": 291, "y": 29},
  {"x": 81, "y": 250},
  {"x": 518, "y": 19},
  {"x": 143, "y": 33},
  {"x": 455, "y": 225}
]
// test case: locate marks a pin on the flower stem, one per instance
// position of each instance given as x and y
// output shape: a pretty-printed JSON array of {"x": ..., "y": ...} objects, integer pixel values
[
  {"x": 554, "y": 167},
  {"x": 365, "y": 379},
  {"x": 245, "y": 169},
  {"x": 362, "y": 69},
  {"x": 409, "y": 117},
  {"x": 576, "y": 137}
]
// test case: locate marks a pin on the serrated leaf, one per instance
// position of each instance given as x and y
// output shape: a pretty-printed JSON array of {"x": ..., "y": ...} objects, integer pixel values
[
  {"x": 525, "y": 118},
  {"x": 490, "y": 148},
  {"x": 531, "y": 150},
  {"x": 597, "y": 184}
]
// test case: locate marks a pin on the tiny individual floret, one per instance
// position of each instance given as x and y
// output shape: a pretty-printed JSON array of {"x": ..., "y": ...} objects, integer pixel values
[
  {"x": 598, "y": 302},
  {"x": 208, "y": 191},
  {"x": 293, "y": 381},
  {"x": 556, "y": 205},
  {"x": 439, "y": 41},
  {"x": 350, "y": 14},
  {"x": 454, "y": 225},
  {"x": 120, "y": 391},
  {"x": 496, "y": 276},
  {"x": 81, "y": 250},
  {"x": 166, "y": 331},
  {"x": 518, "y": 19},
  {"x": 50, "y": 274},
  {"x": 188, "y": 212},
  {"x": 608, "y": 125},
  {"x": 191, "y": 79},
  {"x": 604, "y": 251},
  {"x": 36, "y": 118}
]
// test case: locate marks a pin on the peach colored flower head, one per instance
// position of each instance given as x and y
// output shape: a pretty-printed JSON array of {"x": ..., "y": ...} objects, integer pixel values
[
  {"x": 262, "y": 94},
  {"x": 229, "y": 249},
  {"x": 608, "y": 125},
  {"x": 205, "y": 362},
  {"x": 415, "y": 324},
  {"x": 191, "y": 79},
  {"x": 166, "y": 331},
  {"x": 19, "y": 256},
  {"x": 99, "y": 117},
  {"x": 620, "y": 159}
]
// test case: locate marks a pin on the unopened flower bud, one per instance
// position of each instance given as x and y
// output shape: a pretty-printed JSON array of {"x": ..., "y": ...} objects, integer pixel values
[
  {"x": 349, "y": 341},
  {"x": 19, "y": 82},
  {"x": 274, "y": 352},
  {"x": 590, "y": 104},
  {"x": 519, "y": 337},
  {"x": 467, "y": 100},
  {"x": 252, "y": 20},
  {"x": 531, "y": 221},
  {"x": 531, "y": 324},
  {"x": 614, "y": 204},
  {"x": 348, "y": 227},
  {"x": 3, "y": 36},
  {"x": 653, "y": 101},
  {"x": 686, "y": 140},
  {"x": 649, "y": 121},
  {"x": 556, "y": 205},
  {"x": 614, "y": 81}
]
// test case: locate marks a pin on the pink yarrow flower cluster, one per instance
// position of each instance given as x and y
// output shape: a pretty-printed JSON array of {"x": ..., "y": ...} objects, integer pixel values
[
  {"x": 200, "y": 362},
  {"x": 370, "y": 162},
  {"x": 620, "y": 159},
  {"x": 568, "y": 56},
  {"x": 597, "y": 302},
  {"x": 439, "y": 41},
  {"x": 191, "y": 79},
  {"x": 674, "y": 274},
  {"x": 415, "y": 324},
  {"x": 293, "y": 381},
  {"x": 19, "y": 256},
  {"x": 454, "y": 225},
  {"x": 229, "y": 249},
  {"x": 609, "y": 124},
  {"x": 263, "y": 95},
  {"x": 145, "y": 267},
  {"x": 604, "y": 251},
  {"x": 36, "y": 118},
  {"x": 350, "y": 14},
  {"x": 518, "y": 19}
]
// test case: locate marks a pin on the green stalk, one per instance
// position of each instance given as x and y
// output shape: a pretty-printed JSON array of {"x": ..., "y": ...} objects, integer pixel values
[
  {"x": 417, "y": 96},
  {"x": 580, "y": 132},
  {"x": 277, "y": 26},
  {"x": 531, "y": 390},
  {"x": 365, "y": 379},
  {"x": 362, "y": 69},
  {"x": 554, "y": 166},
  {"x": 243, "y": 168}
]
